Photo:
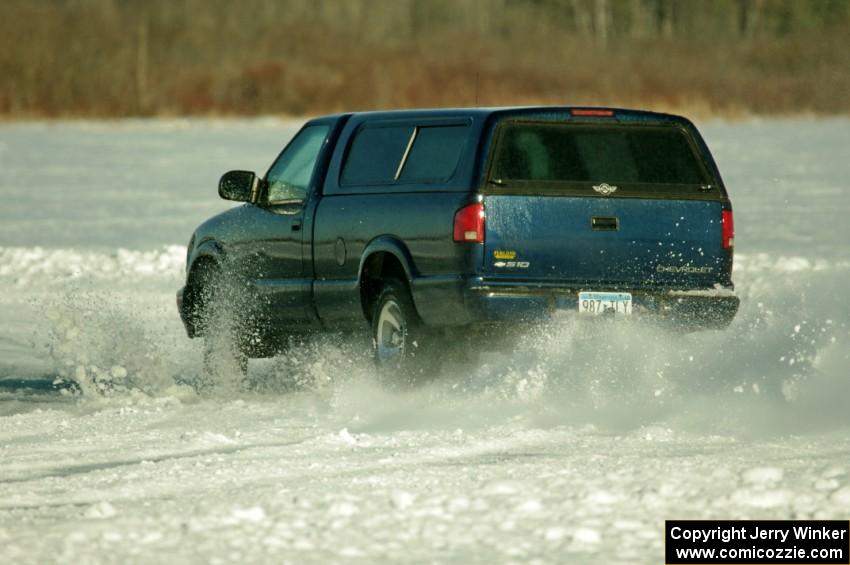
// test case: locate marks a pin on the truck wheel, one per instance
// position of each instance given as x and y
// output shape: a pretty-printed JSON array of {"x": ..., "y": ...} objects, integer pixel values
[
  {"x": 397, "y": 334},
  {"x": 224, "y": 358}
]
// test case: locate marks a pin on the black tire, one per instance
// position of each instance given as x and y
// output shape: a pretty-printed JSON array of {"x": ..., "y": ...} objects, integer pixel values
[
  {"x": 225, "y": 360},
  {"x": 399, "y": 340}
]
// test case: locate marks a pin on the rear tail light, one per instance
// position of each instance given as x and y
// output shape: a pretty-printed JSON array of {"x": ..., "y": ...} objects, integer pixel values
[
  {"x": 469, "y": 224},
  {"x": 728, "y": 229}
]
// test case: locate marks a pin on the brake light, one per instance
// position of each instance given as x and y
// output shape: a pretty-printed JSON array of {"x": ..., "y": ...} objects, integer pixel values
[
  {"x": 728, "y": 229},
  {"x": 469, "y": 224},
  {"x": 592, "y": 112}
]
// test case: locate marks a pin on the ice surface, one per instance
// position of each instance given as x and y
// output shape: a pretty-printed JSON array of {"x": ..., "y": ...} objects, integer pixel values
[{"x": 574, "y": 445}]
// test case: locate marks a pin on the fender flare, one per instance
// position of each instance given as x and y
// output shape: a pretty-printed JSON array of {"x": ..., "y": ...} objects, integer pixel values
[
  {"x": 209, "y": 249},
  {"x": 393, "y": 246}
]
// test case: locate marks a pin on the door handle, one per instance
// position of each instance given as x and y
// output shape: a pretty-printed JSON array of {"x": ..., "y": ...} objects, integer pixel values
[
  {"x": 296, "y": 225},
  {"x": 602, "y": 223}
]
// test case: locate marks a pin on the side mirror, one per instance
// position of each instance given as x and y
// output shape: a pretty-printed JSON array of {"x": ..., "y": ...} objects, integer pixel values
[{"x": 238, "y": 185}]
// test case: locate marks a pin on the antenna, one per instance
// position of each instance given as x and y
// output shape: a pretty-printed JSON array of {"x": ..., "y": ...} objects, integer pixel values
[{"x": 476, "y": 87}]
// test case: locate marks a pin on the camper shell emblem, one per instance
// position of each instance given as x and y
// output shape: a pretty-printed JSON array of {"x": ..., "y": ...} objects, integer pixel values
[{"x": 604, "y": 189}]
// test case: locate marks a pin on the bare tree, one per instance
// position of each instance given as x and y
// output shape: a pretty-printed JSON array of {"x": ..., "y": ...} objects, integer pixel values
[
  {"x": 601, "y": 20},
  {"x": 639, "y": 20}
]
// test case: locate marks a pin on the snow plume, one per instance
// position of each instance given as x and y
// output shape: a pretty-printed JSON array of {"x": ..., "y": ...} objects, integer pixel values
[
  {"x": 781, "y": 367},
  {"x": 104, "y": 321},
  {"x": 108, "y": 345}
]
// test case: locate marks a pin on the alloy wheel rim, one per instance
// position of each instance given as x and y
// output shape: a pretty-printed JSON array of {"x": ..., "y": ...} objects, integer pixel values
[{"x": 389, "y": 339}]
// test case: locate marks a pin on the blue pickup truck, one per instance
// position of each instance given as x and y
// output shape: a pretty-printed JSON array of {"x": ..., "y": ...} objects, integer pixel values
[{"x": 414, "y": 224}]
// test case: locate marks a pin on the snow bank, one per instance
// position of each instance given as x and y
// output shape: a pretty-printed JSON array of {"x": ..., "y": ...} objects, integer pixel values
[
  {"x": 37, "y": 266},
  {"x": 764, "y": 263}
]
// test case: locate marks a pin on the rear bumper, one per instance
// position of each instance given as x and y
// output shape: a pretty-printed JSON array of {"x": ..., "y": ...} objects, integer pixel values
[{"x": 694, "y": 309}]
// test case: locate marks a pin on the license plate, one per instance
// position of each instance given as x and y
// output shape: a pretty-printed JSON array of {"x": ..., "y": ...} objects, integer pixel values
[{"x": 596, "y": 303}]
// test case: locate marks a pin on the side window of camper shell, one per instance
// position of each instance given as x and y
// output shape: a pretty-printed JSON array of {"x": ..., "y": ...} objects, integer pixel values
[{"x": 404, "y": 154}]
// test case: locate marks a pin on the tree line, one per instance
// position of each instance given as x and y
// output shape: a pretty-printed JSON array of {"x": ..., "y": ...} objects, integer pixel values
[{"x": 224, "y": 57}]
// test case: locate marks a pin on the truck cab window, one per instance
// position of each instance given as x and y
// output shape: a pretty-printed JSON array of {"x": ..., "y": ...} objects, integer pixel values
[{"x": 289, "y": 177}]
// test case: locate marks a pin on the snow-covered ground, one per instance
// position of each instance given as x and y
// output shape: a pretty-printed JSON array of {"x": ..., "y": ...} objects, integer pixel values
[{"x": 572, "y": 448}]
